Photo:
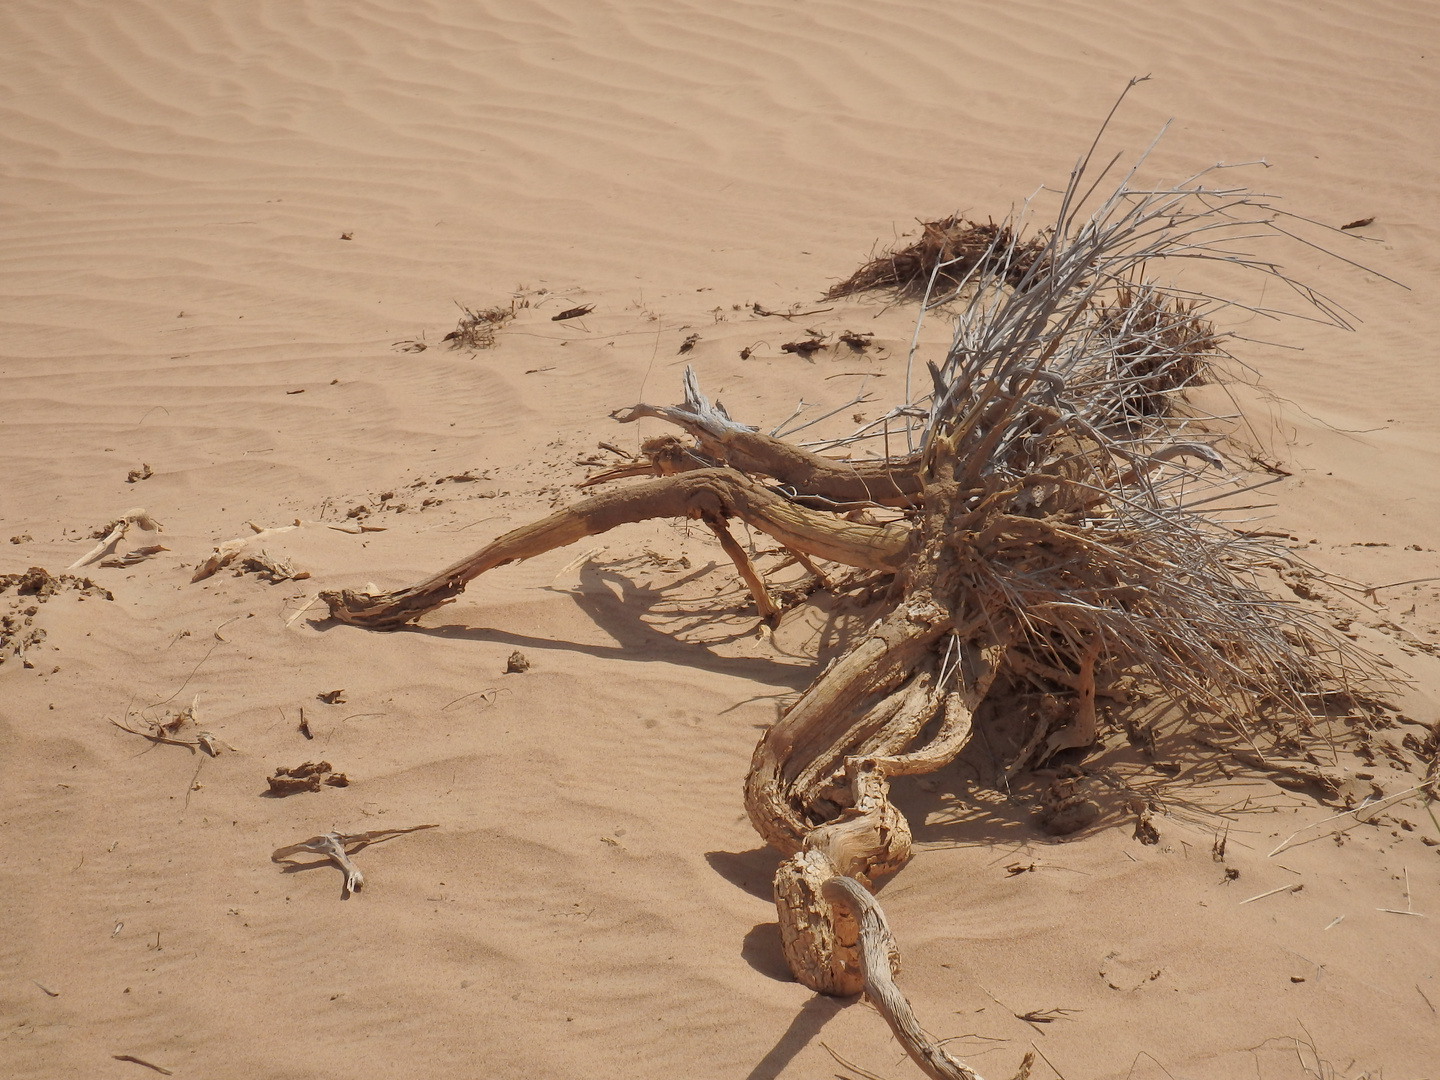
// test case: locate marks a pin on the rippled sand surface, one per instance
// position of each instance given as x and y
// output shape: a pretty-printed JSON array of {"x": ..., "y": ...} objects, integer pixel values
[{"x": 226, "y": 230}]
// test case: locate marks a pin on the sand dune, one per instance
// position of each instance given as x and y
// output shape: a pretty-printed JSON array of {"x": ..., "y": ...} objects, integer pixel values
[{"x": 224, "y": 227}]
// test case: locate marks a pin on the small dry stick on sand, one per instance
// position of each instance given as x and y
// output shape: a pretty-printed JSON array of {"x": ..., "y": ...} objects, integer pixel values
[
  {"x": 141, "y": 1061},
  {"x": 1409, "y": 904},
  {"x": 338, "y": 847},
  {"x": 1272, "y": 892}
]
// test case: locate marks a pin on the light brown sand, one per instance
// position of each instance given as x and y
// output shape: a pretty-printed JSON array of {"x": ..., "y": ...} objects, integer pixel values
[{"x": 175, "y": 182}]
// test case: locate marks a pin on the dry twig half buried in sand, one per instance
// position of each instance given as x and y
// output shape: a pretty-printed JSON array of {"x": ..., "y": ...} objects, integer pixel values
[
  {"x": 115, "y": 533},
  {"x": 338, "y": 847},
  {"x": 1053, "y": 538}
]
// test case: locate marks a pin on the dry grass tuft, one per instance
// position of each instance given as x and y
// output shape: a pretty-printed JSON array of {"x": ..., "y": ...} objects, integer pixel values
[
  {"x": 948, "y": 251},
  {"x": 476, "y": 329}
]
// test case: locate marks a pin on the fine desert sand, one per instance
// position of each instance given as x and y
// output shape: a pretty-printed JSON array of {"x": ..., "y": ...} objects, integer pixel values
[{"x": 235, "y": 238}]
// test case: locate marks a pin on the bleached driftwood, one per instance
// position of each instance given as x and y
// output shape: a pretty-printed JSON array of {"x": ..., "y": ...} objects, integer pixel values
[
  {"x": 226, "y": 553},
  {"x": 338, "y": 847}
]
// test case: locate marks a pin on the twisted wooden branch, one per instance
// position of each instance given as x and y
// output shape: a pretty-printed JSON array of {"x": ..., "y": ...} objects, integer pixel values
[{"x": 707, "y": 494}]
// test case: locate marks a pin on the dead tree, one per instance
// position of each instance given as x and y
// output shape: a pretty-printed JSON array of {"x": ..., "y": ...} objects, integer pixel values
[{"x": 1052, "y": 531}]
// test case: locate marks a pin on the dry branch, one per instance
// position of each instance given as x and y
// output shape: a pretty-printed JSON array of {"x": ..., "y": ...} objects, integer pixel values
[
  {"x": 705, "y": 494},
  {"x": 811, "y": 479}
]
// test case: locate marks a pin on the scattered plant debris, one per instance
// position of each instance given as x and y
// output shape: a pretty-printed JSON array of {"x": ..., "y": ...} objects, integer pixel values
[
  {"x": 1145, "y": 829},
  {"x": 791, "y": 314},
  {"x": 23, "y": 538},
  {"x": 476, "y": 329},
  {"x": 573, "y": 313},
  {"x": 857, "y": 342},
  {"x": 141, "y": 1061},
  {"x": 226, "y": 553},
  {"x": 142, "y": 473},
  {"x": 689, "y": 343},
  {"x": 332, "y": 697},
  {"x": 270, "y": 569},
  {"x": 1359, "y": 223},
  {"x": 112, "y": 534},
  {"x": 168, "y": 728}
]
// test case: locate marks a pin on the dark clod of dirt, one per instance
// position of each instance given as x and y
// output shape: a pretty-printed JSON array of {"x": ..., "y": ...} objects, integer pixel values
[
  {"x": 517, "y": 663},
  {"x": 950, "y": 249},
  {"x": 292, "y": 785},
  {"x": 803, "y": 348},
  {"x": 306, "y": 777},
  {"x": 40, "y": 583},
  {"x": 23, "y": 538},
  {"x": 142, "y": 473},
  {"x": 1066, "y": 807}
]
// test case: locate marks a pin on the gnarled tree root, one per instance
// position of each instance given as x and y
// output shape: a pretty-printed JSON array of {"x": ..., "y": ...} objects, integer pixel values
[
  {"x": 709, "y": 494},
  {"x": 837, "y": 748}
]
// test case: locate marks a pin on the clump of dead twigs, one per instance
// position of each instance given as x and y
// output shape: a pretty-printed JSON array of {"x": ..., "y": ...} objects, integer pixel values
[
  {"x": 476, "y": 329},
  {"x": 947, "y": 252}
]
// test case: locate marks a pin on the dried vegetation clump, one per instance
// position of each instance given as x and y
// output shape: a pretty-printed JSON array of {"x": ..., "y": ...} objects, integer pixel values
[
  {"x": 948, "y": 251},
  {"x": 476, "y": 329},
  {"x": 1062, "y": 538}
]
